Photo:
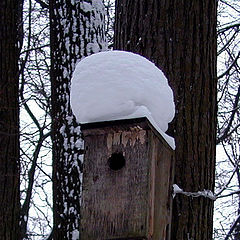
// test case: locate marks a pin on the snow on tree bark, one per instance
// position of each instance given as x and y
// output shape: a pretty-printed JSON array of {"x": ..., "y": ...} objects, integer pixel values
[
  {"x": 180, "y": 38},
  {"x": 76, "y": 31}
]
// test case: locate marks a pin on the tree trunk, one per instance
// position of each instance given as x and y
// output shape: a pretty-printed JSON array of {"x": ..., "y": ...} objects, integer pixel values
[
  {"x": 77, "y": 30},
  {"x": 180, "y": 38},
  {"x": 10, "y": 12}
]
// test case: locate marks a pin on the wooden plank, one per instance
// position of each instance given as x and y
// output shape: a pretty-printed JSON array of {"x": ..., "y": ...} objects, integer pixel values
[{"x": 161, "y": 188}]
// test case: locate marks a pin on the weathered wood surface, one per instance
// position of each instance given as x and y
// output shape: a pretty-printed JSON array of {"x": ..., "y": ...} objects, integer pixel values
[
  {"x": 133, "y": 202},
  {"x": 162, "y": 160}
]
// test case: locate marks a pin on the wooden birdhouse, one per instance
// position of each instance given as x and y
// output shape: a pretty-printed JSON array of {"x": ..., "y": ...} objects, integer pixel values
[{"x": 127, "y": 181}]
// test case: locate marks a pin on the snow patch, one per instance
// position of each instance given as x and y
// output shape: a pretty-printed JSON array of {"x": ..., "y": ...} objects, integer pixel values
[
  {"x": 75, "y": 234},
  {"x": 79, "y": 144},
  {"x": 205, "y": 193},
  {"x": 62, "y": 129},
  {"x": 176, "y": 189}
]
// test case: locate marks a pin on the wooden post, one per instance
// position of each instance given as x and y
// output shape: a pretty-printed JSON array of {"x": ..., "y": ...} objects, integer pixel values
[{"x": 127, "y": 181}]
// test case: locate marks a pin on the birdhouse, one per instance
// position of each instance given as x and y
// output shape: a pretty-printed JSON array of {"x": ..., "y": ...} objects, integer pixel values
[{"x": 127, "y": 181}]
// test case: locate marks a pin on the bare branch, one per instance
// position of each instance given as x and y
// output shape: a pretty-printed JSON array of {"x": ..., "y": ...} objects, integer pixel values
[
  {"x": 227, "y": 129},
  {"x": 230, "y": 67},
  {"x": 222, "y": 30},
  {"x": 42, "y": 4},
  {"x": 232, "y": 228},
  {"x": 26, "y": 205},
  {"x": 226, "y": 184}
]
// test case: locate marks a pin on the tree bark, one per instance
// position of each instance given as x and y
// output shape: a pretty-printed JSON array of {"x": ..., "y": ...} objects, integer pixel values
[
  {"x": 10, "y": 13},
  {"x": 180, "y": 38},
  {"x": 76, "y": 30}
]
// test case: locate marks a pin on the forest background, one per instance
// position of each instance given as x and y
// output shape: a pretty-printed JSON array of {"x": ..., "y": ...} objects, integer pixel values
[{"x": 35, "y": 125}]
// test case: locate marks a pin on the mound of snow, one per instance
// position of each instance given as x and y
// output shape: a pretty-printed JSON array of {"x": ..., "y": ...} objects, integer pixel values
[{"x": 117, "y": 85}]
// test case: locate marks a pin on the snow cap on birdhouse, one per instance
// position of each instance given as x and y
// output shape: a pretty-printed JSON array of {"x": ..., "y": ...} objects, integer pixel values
[{"x": 117, "y": 85}]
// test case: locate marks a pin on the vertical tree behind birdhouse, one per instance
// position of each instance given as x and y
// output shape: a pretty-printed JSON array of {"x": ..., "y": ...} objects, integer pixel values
[
  {"x": 77, "y": 30},
  {"x": 180, "y": 38}
]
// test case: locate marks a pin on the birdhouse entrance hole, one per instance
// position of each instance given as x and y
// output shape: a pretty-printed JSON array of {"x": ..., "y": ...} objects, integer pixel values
[{"x": 116, "y": 161}]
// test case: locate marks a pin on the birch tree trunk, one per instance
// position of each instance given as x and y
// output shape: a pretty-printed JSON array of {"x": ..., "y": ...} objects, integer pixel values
[
  {"x": 77, "y": 30},
  {"x": 180, "y": 38},
  {"x": 10, "y": 13}
]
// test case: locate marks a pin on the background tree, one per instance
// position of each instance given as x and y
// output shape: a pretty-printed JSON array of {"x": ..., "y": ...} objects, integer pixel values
[
  {"x": 10, "y": 43},
  {"x": 227, "y": 212},
  {"x": 35, "y": 144},
  {"x": 180, "y": 38},
  {"x": 76, "y": 30}
]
